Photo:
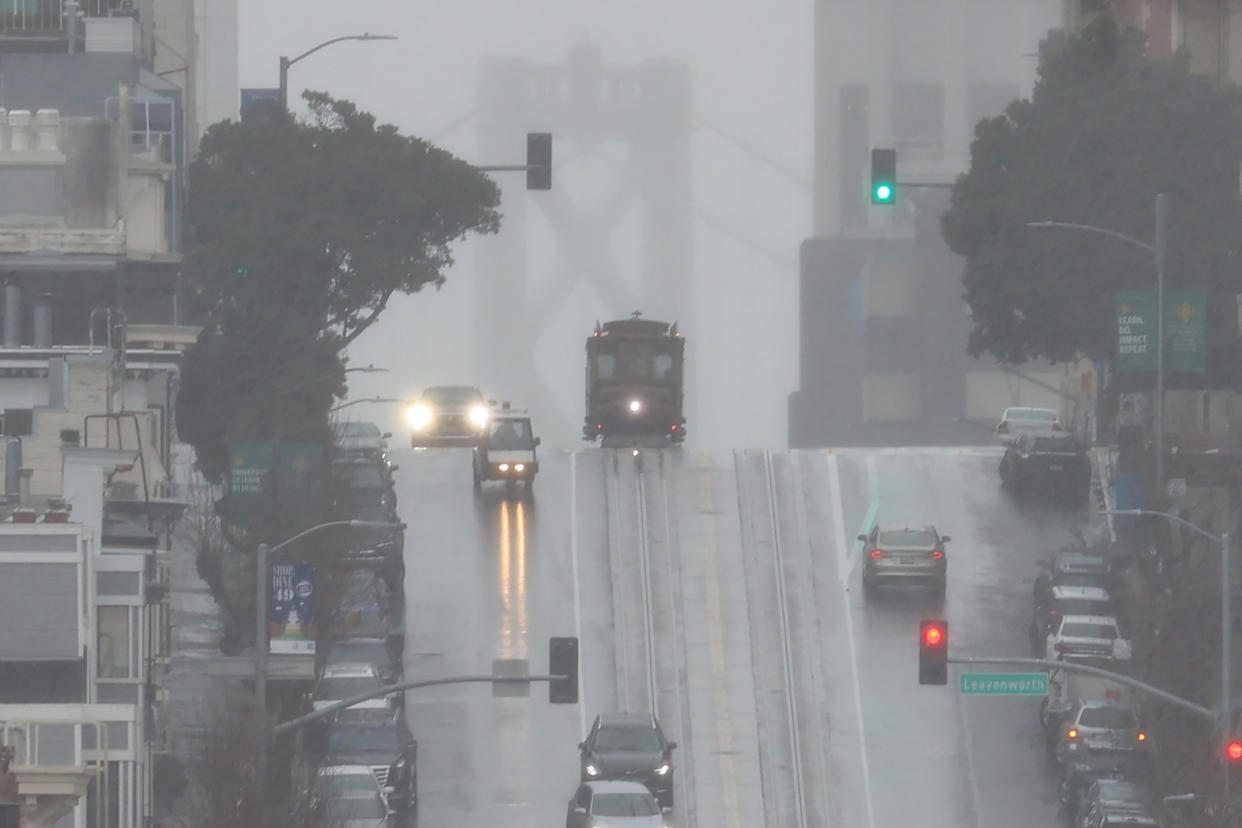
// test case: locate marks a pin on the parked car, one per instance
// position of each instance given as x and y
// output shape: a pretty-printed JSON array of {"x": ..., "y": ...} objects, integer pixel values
[
  {"x": 342, "y": 681},
  {"x": 1087, "y": 637},
  {"x": 629, "y": 746},
  {"x": 1063, "y": 600},
  {"x": 1019, "y": 420},
  {"x": 361, "y": 481},
  {"x": 1113, "y": 795},
  {"x": 1100, "y": 726},
  {"x": 351, "y": 810},
  {"x": 448, "y": 415},
  {"x": 1056, "y": 466},
  {"x": 380, "y": 549},
  {"x": 344, "y": 780},
  {"x": 355, "y": 438},
  {"x": 375, "y": 652},
  {"x": 1072, "y": 567},
  {"x": 905, "y": 556},
  {"x": 617, "y": 804},
  {"x": 389, "y": 750}
]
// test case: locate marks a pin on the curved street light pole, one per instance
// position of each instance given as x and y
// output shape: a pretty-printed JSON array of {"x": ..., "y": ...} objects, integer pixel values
[
  {"x": 285, "y": 62},
  {"x": 260, "y": 637},
  {"x": 1160, "y": 251},
  {"x": 365, "y": 400}
]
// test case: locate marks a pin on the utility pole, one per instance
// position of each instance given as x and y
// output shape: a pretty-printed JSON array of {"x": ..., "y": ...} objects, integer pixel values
[
  {"x": 1161, "y": 250},
  {"x": 262, "y": 571}
]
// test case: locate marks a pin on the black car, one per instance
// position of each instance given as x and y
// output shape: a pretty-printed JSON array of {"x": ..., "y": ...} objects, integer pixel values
[
  {"x": 379, "y": 549},
  {"x": 390, "y": 751},
  {"x": 448, "y": 415},
  {"x": 1073, "y": 566},
  {"x": 1054, "y": 465},
  {"x": 360, "y": 482},
  {"x": 629, "y": 746}
]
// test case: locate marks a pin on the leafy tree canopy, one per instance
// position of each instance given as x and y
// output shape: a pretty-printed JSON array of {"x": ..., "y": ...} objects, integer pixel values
[
  {"x": 1106, "y": 129},
  {"x": 301, "y": 232}
]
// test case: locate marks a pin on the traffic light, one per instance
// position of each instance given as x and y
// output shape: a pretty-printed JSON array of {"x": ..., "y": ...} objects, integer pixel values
[
  {"x": 883, "y": 176},
  {"x": 538, "y": 160},
  {"x": 933, "y": 652},
  {"x": 563, "y": 661}
]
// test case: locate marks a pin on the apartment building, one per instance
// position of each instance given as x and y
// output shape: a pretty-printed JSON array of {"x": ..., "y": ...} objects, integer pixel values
[{"x": 93, "y": 147}]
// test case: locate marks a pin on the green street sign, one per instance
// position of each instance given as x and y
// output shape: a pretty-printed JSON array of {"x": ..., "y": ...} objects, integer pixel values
[
  {"x": 1185, "y": 330},
  {"x": 1004, "y": 684}
]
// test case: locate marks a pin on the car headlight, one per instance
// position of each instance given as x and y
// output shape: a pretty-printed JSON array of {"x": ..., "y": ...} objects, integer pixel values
[
  {"x": 419, "y": 415},
  {"x": 519, "y": 467},
  {"x": 636, "y": 406},
  {"x": 592, "y": 770},
  {"x": 503, "y": 467},
  {"x": 478, "y": 415},
  {"x": 663, "y": 769}
]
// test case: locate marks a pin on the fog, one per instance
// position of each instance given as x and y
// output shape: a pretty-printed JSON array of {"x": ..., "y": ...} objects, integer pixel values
[{"x": 751, "y": 69}]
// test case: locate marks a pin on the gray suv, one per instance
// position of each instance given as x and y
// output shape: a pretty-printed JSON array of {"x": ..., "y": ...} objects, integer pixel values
[{"x": 904, "y": 556}]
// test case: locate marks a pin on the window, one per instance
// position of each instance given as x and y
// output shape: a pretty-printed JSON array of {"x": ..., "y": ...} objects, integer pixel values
[
  {"x": 112, "y": 643},
  {"x": 605, "y": 366},
  {"x": 18, "y": 422},
  {"x": 663, "y": 365}
]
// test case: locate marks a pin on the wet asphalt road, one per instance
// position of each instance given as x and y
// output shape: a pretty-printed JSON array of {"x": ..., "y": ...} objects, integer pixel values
[{"x": 712, "y": 543}]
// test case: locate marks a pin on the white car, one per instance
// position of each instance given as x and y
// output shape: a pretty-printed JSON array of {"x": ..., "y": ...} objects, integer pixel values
[
  {"x": 1087, "y": 637},
  {"x": 614, "y": 805},
  {"x": 347, "y": 780},
  {"x": 343, "y": 681},
  {"x": 1017, "y": 421}
]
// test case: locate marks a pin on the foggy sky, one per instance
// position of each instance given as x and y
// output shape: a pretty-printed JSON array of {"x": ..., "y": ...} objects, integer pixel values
[{"x": 751, "y": 73}]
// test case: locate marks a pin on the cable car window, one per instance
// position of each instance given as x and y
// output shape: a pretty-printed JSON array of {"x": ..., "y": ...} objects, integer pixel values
[
  {"x": 605, "y": 366},
  {"x": 663, "y": 366},
  {"x": 635, "y": 361}
]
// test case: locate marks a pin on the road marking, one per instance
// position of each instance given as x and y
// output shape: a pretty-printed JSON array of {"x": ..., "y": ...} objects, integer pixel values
[
  {"x": 838, "y": 516},
  {"x": 872, "y": 511},
  {"x": 720, "y": 694},
  {"x": 573, "y": 555}
]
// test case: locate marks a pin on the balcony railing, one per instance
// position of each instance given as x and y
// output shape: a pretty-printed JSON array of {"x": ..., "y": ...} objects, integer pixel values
[{"x": 36, "y": 16}]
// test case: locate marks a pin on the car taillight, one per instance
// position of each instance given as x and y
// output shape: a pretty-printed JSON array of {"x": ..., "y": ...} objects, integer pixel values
[
  {"x": 673, "y": 427},
  {"x": 937, "y": 554},
  {"x": 1142, "y": 737},
  {"x": 877, "y": 553},
  {"x": 1072, "y": 733}
]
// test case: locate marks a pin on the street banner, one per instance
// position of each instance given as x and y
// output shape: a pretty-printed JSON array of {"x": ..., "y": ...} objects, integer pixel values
[
  {"x": 250, "y": 467},
  {"x": 291, "y": 609},
  {"x": 301, "y": 471},
  {"x": 1185, "y": 330}
]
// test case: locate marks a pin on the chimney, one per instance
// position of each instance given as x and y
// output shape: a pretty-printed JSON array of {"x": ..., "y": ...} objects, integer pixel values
[
  {"x": 47, "y": 130},
  {"x": 19, "y": 130},
  {"x": 12, "y": 462},
  {"x": 42, "y": 323},
  {"x": 24, "y": 513},
  {"x": 71, "y": 24},
  {"x": 12, "y": 314},
  {"x": 57, "y": 511}
]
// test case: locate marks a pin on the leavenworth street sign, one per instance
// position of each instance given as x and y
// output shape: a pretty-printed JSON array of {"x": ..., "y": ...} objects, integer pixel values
[
  {"x": 1004, "y": 684},
  {"x": 1185, "y": 330}
]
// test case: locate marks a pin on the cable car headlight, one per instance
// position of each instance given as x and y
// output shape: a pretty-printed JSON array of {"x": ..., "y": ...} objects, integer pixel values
[
  {"x": 503, "y": 467},
  {"x": 519, "y": 467},
  {"x": 478, "y": 415},
  {"x": 419, "y": 415},
  {"x": 636, "y": 406}
]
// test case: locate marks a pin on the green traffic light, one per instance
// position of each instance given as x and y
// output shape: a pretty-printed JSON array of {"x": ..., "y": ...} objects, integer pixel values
[{"x": 883, "y": 192}]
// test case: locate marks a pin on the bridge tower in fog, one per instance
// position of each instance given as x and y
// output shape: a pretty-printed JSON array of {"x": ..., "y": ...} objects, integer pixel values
[
  {"x": 884, "y": 328},
  {"x": 624, "y": 246}
]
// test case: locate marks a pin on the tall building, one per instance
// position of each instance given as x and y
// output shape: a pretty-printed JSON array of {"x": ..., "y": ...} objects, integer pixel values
[
  {"x": 884, "y": 327},
  {"x": 92, "y": 162}
]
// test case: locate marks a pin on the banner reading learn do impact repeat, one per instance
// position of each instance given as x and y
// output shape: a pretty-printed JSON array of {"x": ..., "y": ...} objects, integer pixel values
[{"x": 1185, "y": 330}]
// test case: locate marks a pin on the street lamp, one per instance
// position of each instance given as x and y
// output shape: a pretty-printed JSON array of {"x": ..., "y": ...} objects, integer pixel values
[
  {"x": 365, "y": 400},
  {"x": 260, "y": 633},
  {"x": 1226, "y": 608},
  {"x": 1160, "y": 250},
  {"x": 365, "y": 369},
  {"x": 285, "y": 62}
]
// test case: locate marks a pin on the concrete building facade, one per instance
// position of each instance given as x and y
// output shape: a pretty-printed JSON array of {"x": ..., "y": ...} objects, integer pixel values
[{"x": 883, "y": 323}]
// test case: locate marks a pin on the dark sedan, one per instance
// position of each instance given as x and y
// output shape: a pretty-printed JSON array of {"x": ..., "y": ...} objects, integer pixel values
[
  {"x": 1056, "y": 466},
  {"x": 629, "y": 746}
]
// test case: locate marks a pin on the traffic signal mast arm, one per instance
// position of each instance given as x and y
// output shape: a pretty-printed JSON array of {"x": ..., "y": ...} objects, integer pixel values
[
  {"x": 295, "y": 723},
  {"x": 1070, "y": 667}
]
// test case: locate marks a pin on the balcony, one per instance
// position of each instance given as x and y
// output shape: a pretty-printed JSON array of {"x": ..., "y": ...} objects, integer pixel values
[{"x": 46, "y": 18}]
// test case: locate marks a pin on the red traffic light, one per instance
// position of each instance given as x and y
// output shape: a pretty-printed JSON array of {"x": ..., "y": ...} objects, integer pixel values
[
  {"x": 933, "y": 636},
  {"x": 1233, "y": 751}
]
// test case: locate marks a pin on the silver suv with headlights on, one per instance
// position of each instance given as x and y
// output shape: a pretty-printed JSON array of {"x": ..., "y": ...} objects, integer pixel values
[{"x": 448, "y": 415}]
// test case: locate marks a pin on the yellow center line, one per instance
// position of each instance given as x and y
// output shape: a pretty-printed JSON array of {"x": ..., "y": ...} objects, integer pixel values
[{"x": 720, "y": 690}]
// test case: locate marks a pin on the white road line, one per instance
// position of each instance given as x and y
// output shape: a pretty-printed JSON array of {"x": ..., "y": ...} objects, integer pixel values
[
  {"x": 970, "y": 762},
  {"x": 573, "y": 556},
  {"x": 838, "y": 516}
]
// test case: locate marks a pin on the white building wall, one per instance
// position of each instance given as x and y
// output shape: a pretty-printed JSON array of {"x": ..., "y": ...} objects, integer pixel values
[{"x": 218, "y": 93}]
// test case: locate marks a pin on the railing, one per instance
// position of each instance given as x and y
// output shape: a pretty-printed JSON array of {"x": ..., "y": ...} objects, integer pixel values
[
  {"x": 49, "y": 15},
  {"x": 23, "y": 736}
]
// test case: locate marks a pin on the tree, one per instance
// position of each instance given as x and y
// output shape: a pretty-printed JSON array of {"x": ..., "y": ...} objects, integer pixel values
[
  {"x": 1105, "y": 130},
  {"x": 300, "y": 235}
]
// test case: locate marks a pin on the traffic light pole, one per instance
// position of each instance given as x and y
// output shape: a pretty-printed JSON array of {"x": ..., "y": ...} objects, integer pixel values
[
  {"x": 1070, "y": 667},
  {"x": 324, "y": 712}
]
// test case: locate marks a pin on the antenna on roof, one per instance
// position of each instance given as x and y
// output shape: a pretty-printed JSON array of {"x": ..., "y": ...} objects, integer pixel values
[
  {"x": 636, "y": 314},
  {"x": 673, "y": 330}
]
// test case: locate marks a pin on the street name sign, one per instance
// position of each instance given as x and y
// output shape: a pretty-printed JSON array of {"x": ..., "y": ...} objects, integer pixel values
[{"x": 1004, "y": 684}]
